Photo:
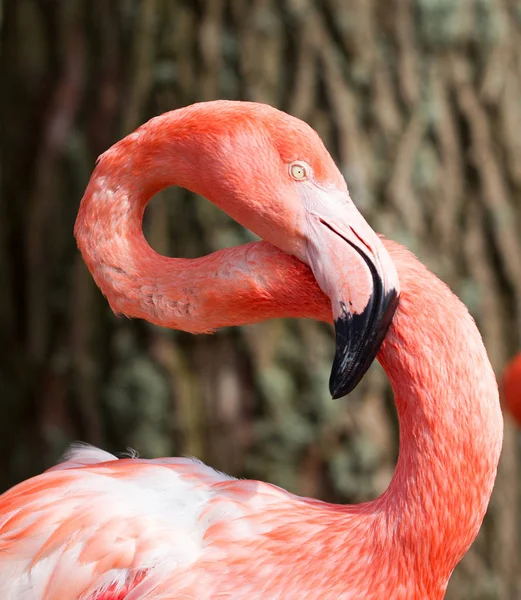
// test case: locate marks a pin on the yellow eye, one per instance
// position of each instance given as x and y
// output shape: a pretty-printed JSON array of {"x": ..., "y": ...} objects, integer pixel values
[{"x": 298, "y": 171}]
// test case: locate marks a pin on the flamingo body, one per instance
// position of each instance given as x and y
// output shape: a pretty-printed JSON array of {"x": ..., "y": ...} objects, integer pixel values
[
  {"x": 98, "y": 528},
  {"x": 173, "y": 528}
]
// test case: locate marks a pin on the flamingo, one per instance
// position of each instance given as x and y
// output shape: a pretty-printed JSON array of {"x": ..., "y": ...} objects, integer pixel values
[
  {"x": 511, "y": 385},
  {"x": 100, "y": 528}
]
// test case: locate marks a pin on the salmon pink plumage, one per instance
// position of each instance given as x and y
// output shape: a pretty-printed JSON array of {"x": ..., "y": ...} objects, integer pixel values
[{"x": 99, "y": 528}]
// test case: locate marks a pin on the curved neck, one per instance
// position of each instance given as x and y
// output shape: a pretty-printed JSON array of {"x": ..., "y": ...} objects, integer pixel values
[{"x": 450, "y": 423}]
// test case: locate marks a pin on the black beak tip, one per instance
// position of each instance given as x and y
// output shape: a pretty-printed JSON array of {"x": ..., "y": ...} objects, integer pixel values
[
  {"x": 341, "y": 382},
  {"x": 335, "y": 394},
  {"x": 358, "y": 340},
  {"x": 343, "y": 377},
  {"x": 338, "y": 391}
]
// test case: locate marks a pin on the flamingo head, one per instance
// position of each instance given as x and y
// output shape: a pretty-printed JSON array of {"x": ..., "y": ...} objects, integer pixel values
[{"x": 272, "y": 173}]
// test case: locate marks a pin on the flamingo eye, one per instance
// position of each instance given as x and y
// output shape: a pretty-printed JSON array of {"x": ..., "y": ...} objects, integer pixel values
[{"x": 299, "y": 171}]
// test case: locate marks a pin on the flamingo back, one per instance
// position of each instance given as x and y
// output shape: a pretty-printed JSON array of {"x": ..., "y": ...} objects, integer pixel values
[{"x": 106, "y": 521}]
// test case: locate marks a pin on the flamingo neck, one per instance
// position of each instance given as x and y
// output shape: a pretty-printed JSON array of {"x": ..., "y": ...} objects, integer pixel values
[{"x": 450, "y": 423}]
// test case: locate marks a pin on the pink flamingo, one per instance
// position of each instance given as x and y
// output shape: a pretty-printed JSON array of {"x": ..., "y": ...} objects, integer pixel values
[
  {"x": 99, "y": 528},
  {"x": 511, "y": 385}
]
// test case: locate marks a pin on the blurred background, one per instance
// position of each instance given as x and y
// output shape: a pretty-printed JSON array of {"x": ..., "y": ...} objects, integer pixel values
[{"x": 419, "y": 101}]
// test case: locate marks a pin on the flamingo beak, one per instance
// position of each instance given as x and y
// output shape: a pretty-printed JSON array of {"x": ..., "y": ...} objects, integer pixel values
[{"x": 352, "y": 266}]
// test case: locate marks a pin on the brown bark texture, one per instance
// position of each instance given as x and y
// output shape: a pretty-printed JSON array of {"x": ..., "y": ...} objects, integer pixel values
[{"x": 420, "y": 103}]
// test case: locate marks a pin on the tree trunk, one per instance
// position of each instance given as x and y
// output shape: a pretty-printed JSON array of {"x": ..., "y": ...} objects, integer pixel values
[{"x": 418, "y": 102}]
